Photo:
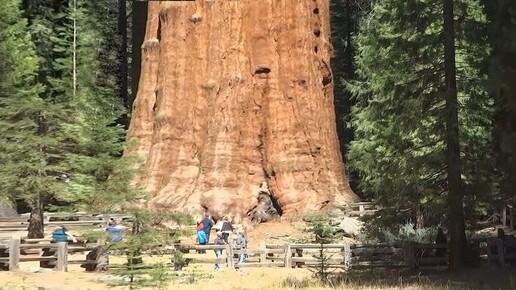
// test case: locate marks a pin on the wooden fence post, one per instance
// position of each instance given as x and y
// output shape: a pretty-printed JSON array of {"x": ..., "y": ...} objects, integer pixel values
[
  {"x": 14, "y": 254},
  {"x": 229, "y": 253},
  {"x": 62, "y": 256},
  {"x": 410, "y": 251},
  {"x": 504, "y": 214},
  {"x": 347, "y": 256},
  {"x": 501, "y": 254},
  {"x": 263, "y": 255},
  {"x": 361, "y": 209},
  {"x": 288, "y": 256}
]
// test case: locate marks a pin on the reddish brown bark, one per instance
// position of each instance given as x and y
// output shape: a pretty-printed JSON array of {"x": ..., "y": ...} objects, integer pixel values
[{"x": 233, "y": 95}]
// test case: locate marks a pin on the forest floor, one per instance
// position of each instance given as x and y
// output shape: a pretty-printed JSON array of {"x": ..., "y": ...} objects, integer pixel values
[{"x": 202, "y": 276}]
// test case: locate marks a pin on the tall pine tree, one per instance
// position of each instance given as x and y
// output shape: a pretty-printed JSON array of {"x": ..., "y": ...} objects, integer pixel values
[
  {"x": 31, "y": 114},
  {"x": 345, "y": 20},
  {"x": 100, "y": 176},
  {"x": 59, "y": 118},
  {"x": 502, "y": 86},
  {"x": 400, "y": 116}
]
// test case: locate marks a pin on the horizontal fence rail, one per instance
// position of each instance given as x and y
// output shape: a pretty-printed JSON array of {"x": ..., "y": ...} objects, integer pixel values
[
  {"x": 50, "y": 255},
  {"x": 409, "y": 255},
  {"x": 345, "y": 256}
]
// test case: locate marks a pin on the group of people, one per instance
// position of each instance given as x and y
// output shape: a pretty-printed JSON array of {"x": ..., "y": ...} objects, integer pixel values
[
  {"x": 114, "y": 230},
  {"x": 223, "y": 230},
  {"x": 204, "y": 227}
]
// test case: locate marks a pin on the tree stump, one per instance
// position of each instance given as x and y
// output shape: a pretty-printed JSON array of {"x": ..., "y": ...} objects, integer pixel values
[
  {"x": 47, "y": 252},
  {"x": 102, "y": 261},
  {"x": 4, "y": 266}
]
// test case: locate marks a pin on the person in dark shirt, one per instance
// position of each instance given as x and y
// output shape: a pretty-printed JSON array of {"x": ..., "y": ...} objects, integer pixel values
[
  {"x": 226, "y": 229},
  {"x": 207, "y": 226}
]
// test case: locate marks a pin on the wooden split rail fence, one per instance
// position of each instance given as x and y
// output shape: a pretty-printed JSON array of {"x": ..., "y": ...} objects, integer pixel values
[
  {"x": 341, "y": 256},
  {"x": 72, "y": 220},
  {"x": 51, "y": 255},
  {"x": 501, "y": 252},
  {"x": 360, "y": 209},
  {"x": 344, "y": 256}
]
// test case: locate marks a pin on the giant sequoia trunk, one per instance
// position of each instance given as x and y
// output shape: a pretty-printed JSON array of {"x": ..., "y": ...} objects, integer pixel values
[{"x": 235, "y": 98}]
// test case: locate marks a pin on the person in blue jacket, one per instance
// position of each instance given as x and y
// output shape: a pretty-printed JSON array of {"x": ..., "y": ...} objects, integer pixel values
[
  {"x": 61, "y": 235},
  {"x": 201, "y": 237},
  {"x": 115, "y": 232}
]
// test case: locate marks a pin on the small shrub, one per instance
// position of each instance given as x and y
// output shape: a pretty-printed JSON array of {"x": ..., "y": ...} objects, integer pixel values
[
  {"x": 178, "y": 260},
  {"x": 320, "y": 226},
  {"x": 159, "y": 275},
  {"x": 408, "y": 233}
]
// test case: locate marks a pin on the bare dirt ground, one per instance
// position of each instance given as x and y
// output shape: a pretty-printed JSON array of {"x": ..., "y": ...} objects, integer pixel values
[
  {"x": 275, "y": 232},
  {"x": 261, "y": 278}
]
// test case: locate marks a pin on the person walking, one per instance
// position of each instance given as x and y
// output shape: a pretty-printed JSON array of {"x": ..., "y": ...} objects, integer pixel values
[
  {"x": 226, "y": 229},
  {"x": 219, "y": 240},
  {"x": 241, "y": 242},
  {"x": 207, "y": 224}
]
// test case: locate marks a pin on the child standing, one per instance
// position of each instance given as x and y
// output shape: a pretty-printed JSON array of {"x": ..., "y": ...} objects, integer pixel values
[
  {"x": 201, "y": 237},
  {"x": 219, "y": 240},
  {"x": 242, "y": 245}
]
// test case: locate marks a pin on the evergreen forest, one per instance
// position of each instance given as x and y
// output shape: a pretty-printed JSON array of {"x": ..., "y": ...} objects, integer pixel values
[{"x": 425, "y": 96}]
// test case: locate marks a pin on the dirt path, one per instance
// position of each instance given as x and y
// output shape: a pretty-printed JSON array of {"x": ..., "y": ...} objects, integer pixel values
[{"x": 275, "y": 232}]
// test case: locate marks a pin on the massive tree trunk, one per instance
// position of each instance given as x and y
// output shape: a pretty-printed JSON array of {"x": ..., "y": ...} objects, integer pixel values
[
  {"x": 235, "y": 98},
  {"x": 456, "y": 224},
  {"x": 138, "y": 20}
]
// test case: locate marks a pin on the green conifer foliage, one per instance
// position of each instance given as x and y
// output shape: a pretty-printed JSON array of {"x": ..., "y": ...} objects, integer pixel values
[
  {"x": 32, "y": 143},
  {"x": 100, "y": 176},
  {"x": 399, "y": 146},
  {"x": 502, "y": 86},
  {"x": 59, "y": 108}
]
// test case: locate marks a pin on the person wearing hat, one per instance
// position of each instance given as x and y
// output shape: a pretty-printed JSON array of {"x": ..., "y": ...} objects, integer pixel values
[{"x": 226, "y": 229}]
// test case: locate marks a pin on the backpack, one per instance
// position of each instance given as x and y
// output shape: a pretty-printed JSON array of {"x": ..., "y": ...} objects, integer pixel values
[{"x": 201, "y": 237}]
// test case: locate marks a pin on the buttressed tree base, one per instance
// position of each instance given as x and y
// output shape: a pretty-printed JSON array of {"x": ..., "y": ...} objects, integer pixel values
[{"x": 235, "y": 99}]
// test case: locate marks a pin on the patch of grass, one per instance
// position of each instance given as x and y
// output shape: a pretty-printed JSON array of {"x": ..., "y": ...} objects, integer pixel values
[
  {"x": 296, "y": 283},
  {"x": 192, "y": 277}
]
